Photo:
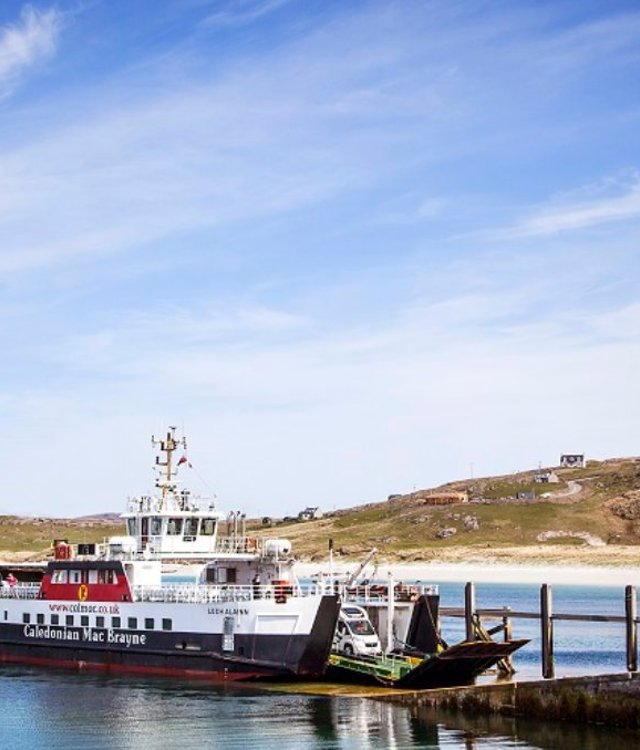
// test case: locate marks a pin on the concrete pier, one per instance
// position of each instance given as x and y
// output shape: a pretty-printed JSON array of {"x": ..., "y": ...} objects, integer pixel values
[{"x": 612, "y": 700}]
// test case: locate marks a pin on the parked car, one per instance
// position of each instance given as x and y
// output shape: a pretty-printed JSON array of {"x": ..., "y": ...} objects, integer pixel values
[{"x": 355, "y": 635}]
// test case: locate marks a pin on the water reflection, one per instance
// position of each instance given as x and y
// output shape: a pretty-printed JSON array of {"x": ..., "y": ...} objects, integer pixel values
[
  {"x": 65, "y": 711},
  {"x": 482, "y": 732}
]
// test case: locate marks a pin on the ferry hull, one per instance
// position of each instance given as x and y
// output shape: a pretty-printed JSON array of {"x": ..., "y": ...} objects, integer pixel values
[{"x": 186, "y": 654}]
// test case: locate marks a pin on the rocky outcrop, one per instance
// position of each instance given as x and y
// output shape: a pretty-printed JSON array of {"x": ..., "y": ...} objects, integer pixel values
[
  {"x": 626, "y": 506},
  {"x": 590, "y": 539}
]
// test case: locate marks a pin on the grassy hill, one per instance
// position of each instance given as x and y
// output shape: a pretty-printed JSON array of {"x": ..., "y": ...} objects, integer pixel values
[
  {"x": 594, "y": 511},
  {"x": 595, "y": 507}
]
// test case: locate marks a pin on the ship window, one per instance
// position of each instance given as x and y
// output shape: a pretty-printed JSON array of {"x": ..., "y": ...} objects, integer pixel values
[
  {"x": 84, "y": 621},
  {"x": 132, "y": 622},
  {"x": 167, "y": 623},
  {"x": 156, "y": 526},
  {"x": 115, "y": 622},
  {"x": 226, "y": 575},
  {"x": 6, "y": 614},
  {"x": 26, "y": 618},
  {"x": 40, "y": 619},
  {"x": 148, "y": 623},
  {"x": 190, "y": 528},
  {"x": 131, "y": 526},
  {"x": 93, "y": 576},
  {"x": 59, "y": 576},
  {"x": 107, "y": 576},
  {"x": 69, "y": 620},
  {"x": 75, "y": 576},
  {"x": 208, "y": 527},
  {"x": 55, "y": 619},
  {"x": 99, "y": 621},
  {"x": 174, "y": 527}
]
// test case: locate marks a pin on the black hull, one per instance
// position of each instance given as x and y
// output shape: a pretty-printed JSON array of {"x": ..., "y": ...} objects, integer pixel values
[
  {"x": 459, "y": 664},
  {"x": 199, "y": 655},
  {"x": 456, "y": 666}
]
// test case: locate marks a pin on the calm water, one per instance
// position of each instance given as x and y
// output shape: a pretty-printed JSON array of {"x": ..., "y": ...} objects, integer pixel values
[
  {"x": 68, "y": 710},
  {"x": 579, "y": 648}
]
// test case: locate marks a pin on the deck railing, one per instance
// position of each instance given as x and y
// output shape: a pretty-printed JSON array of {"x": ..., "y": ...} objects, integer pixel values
[
  {"x": 209, "y": 594},
  {"x": 19, "y": 591}
]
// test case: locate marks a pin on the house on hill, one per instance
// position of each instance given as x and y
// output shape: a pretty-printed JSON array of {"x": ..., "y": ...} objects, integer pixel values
[
  {"x": 546, "y": 477},
  {"x": 572, "y": 461},
  {"x": 310, "y": 513},
  {"x": 444, "y": 498}
]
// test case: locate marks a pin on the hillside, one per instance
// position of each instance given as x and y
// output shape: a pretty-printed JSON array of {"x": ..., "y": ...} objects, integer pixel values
[{"x": 585, "y": 515}]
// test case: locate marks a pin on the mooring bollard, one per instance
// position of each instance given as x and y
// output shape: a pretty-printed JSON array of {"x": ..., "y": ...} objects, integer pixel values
[
  {"x": 546, "y": 625},
  {"x": 470, "y": 611},
  {"x": 630, "y": 610}
]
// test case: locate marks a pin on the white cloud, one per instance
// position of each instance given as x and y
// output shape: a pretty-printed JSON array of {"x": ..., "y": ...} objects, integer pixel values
[
  {"x": 27, "y": 43},
  {"x": 243, "y": 12},
  {"x": 591, "y": 206},
  {"x": 331, "y": 420}
]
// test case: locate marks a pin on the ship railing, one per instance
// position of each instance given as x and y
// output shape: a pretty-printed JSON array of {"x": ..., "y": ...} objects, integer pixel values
[
  {"x": 212, "y": 593},
  {"x": 372, "y": 593},
  {"x": 19, "y": 591},
  {"x": 237, "y": 544}
]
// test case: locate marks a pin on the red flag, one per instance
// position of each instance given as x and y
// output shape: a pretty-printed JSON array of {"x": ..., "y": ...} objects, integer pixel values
[{"x": 183, "y": 460}]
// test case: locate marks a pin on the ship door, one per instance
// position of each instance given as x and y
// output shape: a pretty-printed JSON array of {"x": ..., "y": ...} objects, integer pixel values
[
  {"x": 144, "y": 533},
  {"x": 228, "y": 639}
]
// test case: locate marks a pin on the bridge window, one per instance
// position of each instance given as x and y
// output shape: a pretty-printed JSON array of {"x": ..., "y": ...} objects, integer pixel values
[
  {"x": 59, "y": 576},
  {"x": 208, "y": 527},
  {"x": 75, "y": 576},
  {"x": 131, "y": 526},
  {"x": 156, "y": 526},
  {"x": 190, "y": 528},
  {"x": 93, "y": 576},
  {"x": 174, "y": 527}
]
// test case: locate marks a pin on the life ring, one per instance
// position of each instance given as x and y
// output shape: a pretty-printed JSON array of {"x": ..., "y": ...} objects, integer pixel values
[
  {"x": 280, "y": 590},
  {"x": 252, "y": 544},
  {"x": 83, "y": 592}
]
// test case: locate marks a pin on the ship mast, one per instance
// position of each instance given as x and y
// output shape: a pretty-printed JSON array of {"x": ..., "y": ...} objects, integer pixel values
[{"x": 168, "y": 446}]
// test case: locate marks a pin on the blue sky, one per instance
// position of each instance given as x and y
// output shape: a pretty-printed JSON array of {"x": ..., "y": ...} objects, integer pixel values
[{"x": 351, "y": 248}]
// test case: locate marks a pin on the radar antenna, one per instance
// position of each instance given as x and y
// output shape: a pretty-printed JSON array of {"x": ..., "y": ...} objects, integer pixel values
[{"x": 166, "y": 472}]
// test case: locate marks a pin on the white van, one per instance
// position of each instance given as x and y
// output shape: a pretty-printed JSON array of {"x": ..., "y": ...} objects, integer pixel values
[{"x": 355, "y": 635}]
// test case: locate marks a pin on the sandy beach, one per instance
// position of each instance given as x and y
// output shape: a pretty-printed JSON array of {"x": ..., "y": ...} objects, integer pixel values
[{"x": 606, "y": 567}]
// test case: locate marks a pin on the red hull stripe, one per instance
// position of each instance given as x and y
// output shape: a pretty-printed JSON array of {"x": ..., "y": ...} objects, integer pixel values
[{"x": 211, "y": 676}]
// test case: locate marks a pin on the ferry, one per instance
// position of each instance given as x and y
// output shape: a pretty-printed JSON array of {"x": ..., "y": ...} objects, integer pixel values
[{"x": 113, "y": 607}]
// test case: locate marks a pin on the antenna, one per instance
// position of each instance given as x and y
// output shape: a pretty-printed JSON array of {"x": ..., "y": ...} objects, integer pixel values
[{"x": 165, "y": 481}]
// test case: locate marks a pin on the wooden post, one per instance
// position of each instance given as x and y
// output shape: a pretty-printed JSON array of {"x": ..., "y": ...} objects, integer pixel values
[
  {"x": 546, "y": 625},
  {"x": 630, "y": 609},
  {"x": 508, "y": 664},
  {"x": 470, "y": 610}
]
